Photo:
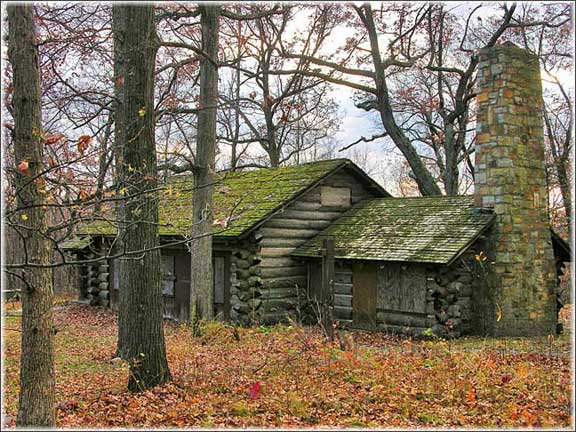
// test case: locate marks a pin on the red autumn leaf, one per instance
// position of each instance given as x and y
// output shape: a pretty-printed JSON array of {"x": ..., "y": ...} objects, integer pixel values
[
  {"x": 506, "y": 379},
  {"x": 53, "y": 139},
  {"x": 23, "y": 167},
  {"x": 83, "y": 142},
  {"x": 284, "y": 117},
  {"x": 255, "y": 390},
  {"x": 120, "y": 80}
]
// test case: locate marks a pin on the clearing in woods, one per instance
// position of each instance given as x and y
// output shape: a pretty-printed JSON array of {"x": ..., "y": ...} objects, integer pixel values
[{"x": 288, "y": 376}]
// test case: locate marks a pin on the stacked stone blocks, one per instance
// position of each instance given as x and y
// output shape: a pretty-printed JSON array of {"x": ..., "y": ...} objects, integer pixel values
[{"x": 510, "y": 178}]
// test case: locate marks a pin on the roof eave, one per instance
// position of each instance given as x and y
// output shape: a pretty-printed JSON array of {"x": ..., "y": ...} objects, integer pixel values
[{"x": 464, "y": 248}]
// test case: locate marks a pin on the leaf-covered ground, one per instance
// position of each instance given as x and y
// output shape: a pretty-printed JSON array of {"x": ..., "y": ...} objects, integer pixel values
[{"x": 287, "y": 376}]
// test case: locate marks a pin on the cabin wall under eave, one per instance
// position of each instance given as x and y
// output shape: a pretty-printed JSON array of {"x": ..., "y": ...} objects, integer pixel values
[{"x": 284, "y": 279}]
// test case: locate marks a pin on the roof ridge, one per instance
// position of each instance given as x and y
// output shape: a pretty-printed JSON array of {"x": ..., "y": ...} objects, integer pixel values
[
  {"x": 429, "y": 197},
  {"x": 227, "y": 170}
]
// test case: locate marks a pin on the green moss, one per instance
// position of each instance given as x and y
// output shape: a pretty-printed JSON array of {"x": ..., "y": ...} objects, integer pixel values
[
  {"x": 241, "y": 199},
  {"x": 425, "y": 229}
]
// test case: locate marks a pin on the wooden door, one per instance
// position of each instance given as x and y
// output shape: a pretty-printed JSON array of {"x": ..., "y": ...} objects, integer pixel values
[
  {"x": 182, "y": 287},
  {"x": 364, "y": 294},
  {"x": 221, "y": 289}
]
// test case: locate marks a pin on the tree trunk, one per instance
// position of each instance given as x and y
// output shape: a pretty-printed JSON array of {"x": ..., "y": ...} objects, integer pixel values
[
  {"x": 37, "y": 382},
  {"x": 560, "y": 166},
  {"x": 202, "y": 284},
  {"x": 118, "y": 31},
  {"x": 452, "y": 151},
  {"x": 141, "y": 308},
  {"x": 426, "y": 182}
]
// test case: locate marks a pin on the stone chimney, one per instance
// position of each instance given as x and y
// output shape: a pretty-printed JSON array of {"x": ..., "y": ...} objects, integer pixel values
[{"x": 510, "y": 178}]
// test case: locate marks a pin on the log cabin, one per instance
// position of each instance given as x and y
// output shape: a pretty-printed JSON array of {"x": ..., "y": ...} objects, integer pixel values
[
  {"x": 487, "y": 263},
  {"x": 402, "y": 264}
]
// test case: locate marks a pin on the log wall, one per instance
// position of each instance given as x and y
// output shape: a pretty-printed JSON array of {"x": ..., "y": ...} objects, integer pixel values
[
  {"x": 283, "y": 278},
  {"x": 95, "y": 279}
]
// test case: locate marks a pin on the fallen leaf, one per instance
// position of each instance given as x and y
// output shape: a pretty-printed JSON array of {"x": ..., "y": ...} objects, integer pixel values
[{"x": 255, "y": 390}]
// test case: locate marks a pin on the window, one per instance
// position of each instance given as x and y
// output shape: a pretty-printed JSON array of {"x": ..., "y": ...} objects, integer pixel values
[
  {"x": 168, "y": 275},
  {"x": 335, "y": 196}
]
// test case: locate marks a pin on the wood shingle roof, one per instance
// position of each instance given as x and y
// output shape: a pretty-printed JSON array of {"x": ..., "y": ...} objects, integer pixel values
[{"x": 423, "y": 229}]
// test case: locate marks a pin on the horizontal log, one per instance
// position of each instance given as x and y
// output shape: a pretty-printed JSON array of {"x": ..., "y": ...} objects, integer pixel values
[
  {"x": 274, "y": 272},
  {"x": 289, "y": 233},
  {"x": 310, "y": 215},
  {"x": 306, "y": 205},
  {"x": 281, "y": 242},
  {"x": 279, "y": 293},
  {"x": 283, "y": 261},
  {"x": 343, "y": 300},
  {"x": 273, "y": 252},
  {"x": 282, "y": 222},
  {"x": 343, "y": 289},
  {"x": 284, "y": 282}
]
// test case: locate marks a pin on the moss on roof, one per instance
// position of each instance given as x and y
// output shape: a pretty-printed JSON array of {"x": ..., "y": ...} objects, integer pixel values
[
  {"x": 424, "y": 229},
  {"x": 241, "y": 199},
  {"x": 76, "y": 243}
]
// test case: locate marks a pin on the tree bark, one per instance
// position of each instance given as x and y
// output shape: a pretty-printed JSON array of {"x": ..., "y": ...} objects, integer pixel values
[
  {"x": 140, "y": 308},
  {"x": 202, "y": 285},
  {"x": 37, "y": 381},
  {"x": 118, "y": 31}
]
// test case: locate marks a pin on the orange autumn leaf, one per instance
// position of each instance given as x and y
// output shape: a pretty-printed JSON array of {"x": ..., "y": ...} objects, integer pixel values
[
  {"x": 23, "y": 167},
  {"x": 471, "y": 395}
]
